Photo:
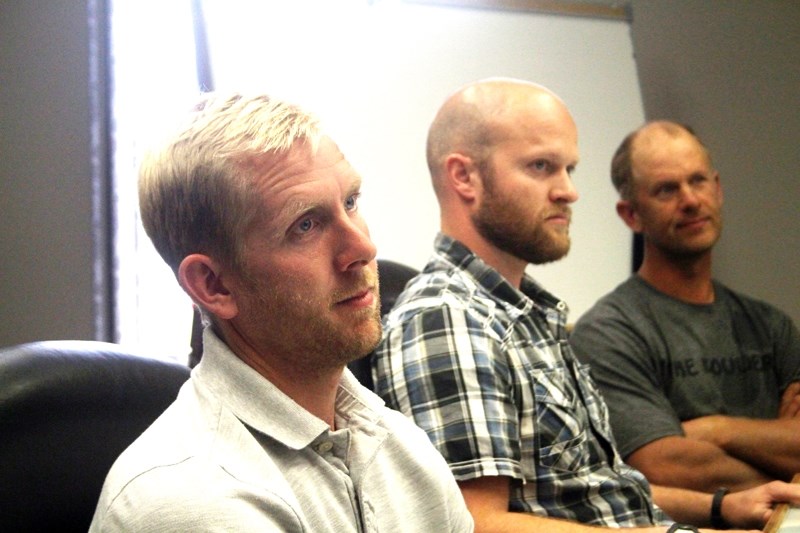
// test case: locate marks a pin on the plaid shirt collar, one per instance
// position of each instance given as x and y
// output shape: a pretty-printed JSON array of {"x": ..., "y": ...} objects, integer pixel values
[{"x": 530, "y": 297}]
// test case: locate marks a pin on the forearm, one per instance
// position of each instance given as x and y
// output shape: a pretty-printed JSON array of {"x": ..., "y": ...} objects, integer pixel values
[
  {"x": 503, "y": 522},
  {"x": 687, "y": 506},
  {"x": 523, "y": 522},
  {"x": 772, "y": 446},
  {"x": 487, "y": 501},
  {"x": 681, "y": 462},
  {"x": 746, "y": 509}
]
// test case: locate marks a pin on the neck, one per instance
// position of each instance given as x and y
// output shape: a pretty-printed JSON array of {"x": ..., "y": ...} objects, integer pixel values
[
  {"x": 686, "y": 278},
  {"x": 316, "y": 394},
  {"x": 510, "y": 267},
  {"x": 314, "y": 389}
]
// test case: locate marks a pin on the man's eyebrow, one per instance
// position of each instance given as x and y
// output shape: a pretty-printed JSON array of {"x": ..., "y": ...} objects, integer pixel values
[
  {"x": 355, "y": 186},
  {"x": 286, "y": 217},
  {"x": 552, "y": 155},
  {"x": 296, "y": 208}
]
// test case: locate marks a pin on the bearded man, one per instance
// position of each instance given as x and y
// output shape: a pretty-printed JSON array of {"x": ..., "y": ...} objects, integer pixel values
[{"x": 476, "y": 352}]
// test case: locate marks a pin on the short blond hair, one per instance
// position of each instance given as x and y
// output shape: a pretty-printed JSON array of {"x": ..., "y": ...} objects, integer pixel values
[{"x": 196, "y": 192}]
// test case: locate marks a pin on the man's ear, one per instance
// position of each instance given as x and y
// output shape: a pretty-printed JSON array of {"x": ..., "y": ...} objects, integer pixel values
[
  {"x": 628, "y": 214},
  {"x": 202, "y": 278},
  {"x": 462, "y": 176}
]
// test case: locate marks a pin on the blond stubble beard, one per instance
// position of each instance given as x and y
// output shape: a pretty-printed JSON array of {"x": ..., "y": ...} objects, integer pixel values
[{"x": 307, "y": 339}]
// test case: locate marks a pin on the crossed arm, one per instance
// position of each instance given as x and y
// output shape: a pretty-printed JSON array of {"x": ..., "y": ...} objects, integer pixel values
[
  {"x": 773, "y": 446},
  {"x": 721, "y": 451}
]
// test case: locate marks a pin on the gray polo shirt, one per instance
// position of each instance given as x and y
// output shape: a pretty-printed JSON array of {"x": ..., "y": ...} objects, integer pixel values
[{"x": 234, "y": 453}]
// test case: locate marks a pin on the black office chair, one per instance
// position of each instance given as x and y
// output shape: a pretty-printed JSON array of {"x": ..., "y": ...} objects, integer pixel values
[
  {"x": 67, "y": 410},
  {"x": 394, "y": 277}
]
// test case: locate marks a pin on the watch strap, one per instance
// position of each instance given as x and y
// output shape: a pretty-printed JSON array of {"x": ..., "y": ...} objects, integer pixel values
[{"x": 717, "y": 522}]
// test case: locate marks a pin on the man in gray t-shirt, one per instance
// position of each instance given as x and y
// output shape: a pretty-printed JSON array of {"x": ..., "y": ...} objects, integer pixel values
[{"x": 702, "y": 383}]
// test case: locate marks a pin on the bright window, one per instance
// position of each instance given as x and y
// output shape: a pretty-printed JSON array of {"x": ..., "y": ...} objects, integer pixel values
[{"x": 153, "y": 72}]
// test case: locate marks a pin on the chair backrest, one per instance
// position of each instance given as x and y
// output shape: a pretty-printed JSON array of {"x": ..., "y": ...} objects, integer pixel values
[
  {"x": 394, "y": 277},
  {"x": 67, "y": 410}
]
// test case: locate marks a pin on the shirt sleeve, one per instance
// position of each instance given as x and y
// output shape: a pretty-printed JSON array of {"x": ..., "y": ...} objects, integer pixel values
[
  {"x": 761, "y": 328},
  {"x": 788, "y": 351},
  {"x": 442, "y": 367},
  {"x": 628, "y": 375}
]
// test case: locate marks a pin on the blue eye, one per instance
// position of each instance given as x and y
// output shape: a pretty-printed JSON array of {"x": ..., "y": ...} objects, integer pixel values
[
  {"x": 305, "y": 225},
  {"x": 352, "y": 202}
]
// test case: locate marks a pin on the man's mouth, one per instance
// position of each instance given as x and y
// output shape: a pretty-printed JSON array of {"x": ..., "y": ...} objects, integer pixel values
[
  {"x": 363, "y": 296},
  {"x": 561, "y": 216},
  {"x": 692, "y": 222}
]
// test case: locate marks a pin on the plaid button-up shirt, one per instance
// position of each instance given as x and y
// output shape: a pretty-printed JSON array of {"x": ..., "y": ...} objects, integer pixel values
[{"x": 486, "y": 370}]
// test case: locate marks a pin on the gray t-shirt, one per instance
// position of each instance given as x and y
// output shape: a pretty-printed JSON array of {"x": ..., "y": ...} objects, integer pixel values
[{"x": 660, "y": 361}]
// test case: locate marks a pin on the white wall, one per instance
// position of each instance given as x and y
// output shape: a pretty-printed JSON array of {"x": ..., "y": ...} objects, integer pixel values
[{"x": 377, "y": 74}]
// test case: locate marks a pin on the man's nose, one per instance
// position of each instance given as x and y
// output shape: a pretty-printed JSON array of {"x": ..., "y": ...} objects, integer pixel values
[
  {"x": 356, "y": 248},
  {"x": 564, "y": 190},
  {"x": 688, "y": 197}
]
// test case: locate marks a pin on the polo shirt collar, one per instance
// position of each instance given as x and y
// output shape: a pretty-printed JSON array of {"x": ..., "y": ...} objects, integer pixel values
[{"x": 261, "y": 405}]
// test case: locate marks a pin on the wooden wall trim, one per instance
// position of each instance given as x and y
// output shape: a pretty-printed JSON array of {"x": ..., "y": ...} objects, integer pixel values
[{"x": 607, "y": 10}]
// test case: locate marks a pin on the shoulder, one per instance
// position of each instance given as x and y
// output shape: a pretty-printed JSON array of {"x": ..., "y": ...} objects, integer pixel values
[
  {"x": 193, "y": 495},
  {"x": 758, "y": 317},
  {"x": 620, "y": 321},
  {"x": 620, "y": 305},
  {"x": 190, "y": 471},
  {"x": 437, "y": 293},
  {"x": 410, "y": 444},
  {"x": 190, "y": 480},
  {"x": 437, "y": 283},
  {"x": 747, "y": 303},
  {"x": 168, "y": 442}
]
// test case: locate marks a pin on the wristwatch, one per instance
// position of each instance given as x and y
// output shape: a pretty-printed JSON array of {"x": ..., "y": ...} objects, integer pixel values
[{"x": 682, "y": 527}]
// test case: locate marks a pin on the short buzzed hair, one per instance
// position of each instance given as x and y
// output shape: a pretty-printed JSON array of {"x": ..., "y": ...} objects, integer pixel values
[
  {"x": 457, "y": 128},
  {"x": 622, "y": 161},
  {"x": 472, "y": 120}
]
